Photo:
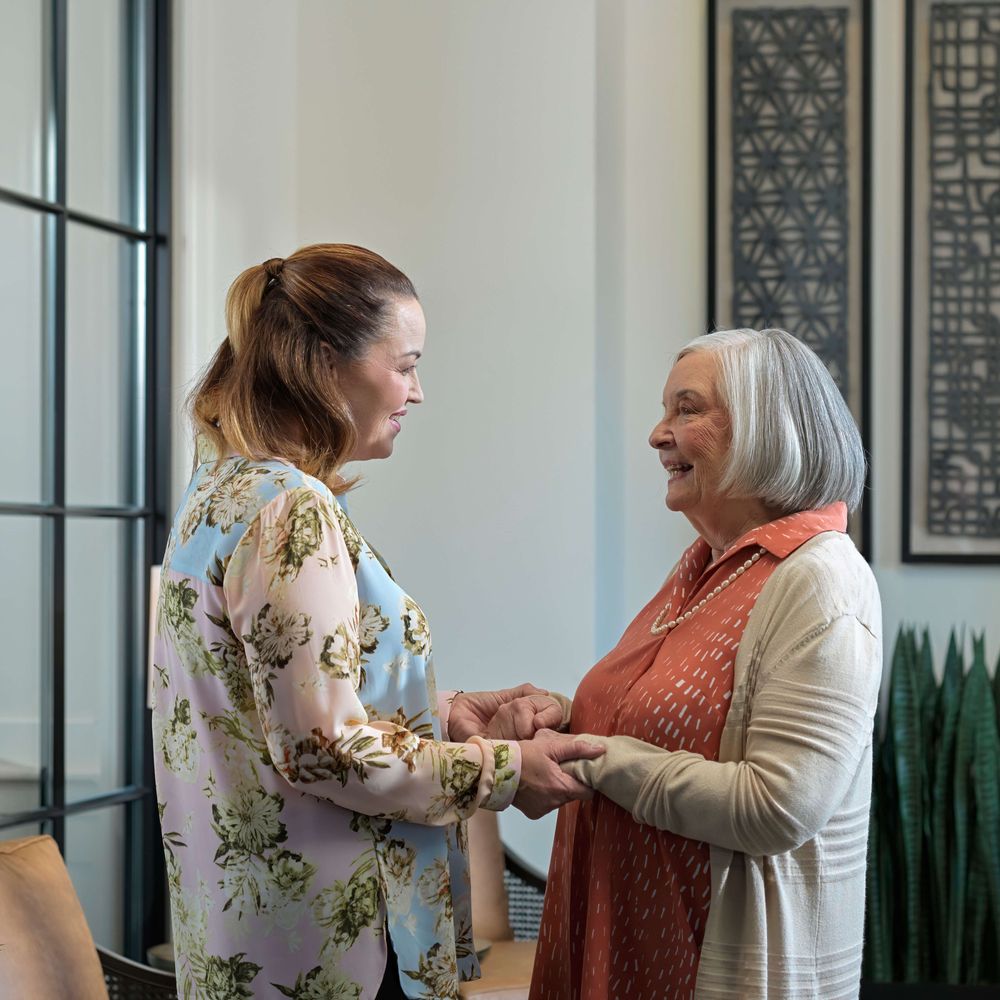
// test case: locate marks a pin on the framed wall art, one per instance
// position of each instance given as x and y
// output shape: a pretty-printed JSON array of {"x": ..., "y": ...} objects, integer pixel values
[
  {"x": 951, "y": 297},
  {"x": 789, "y": 97}
]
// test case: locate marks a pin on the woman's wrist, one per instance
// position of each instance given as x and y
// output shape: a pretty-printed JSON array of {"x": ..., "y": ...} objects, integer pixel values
[
  {"x": 501, "y": 773},
  {"x": 445, "y": 702}
]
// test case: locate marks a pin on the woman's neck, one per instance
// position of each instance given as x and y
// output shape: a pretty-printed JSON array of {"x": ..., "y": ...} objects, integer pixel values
[{"x": 722, "y": 528}]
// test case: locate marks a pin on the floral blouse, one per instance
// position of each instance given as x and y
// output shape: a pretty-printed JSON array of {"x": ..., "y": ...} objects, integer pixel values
[{"x": 306, "y": 798}]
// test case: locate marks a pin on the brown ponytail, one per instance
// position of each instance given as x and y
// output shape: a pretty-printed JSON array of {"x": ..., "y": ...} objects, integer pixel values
[{"x": 269, "y": 390}]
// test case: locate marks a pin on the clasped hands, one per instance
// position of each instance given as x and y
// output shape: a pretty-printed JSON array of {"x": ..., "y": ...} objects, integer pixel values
[{"x": 530, "y": 716}]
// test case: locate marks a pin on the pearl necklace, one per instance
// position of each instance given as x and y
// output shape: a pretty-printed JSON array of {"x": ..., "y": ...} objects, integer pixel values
[{"x": 660, "y": 626}]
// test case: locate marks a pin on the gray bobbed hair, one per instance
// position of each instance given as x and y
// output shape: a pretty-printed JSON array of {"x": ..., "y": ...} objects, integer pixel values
[{"x": 795, "y": 445}]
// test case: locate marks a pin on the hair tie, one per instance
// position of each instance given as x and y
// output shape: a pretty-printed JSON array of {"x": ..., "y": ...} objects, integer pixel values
[{"x": 273, "y": 269}]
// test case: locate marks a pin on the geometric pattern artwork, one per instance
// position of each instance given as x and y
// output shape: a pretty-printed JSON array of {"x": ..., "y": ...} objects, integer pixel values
[
  {"x": 963, "y": 236},
  {"x": 789, "y": 223}
]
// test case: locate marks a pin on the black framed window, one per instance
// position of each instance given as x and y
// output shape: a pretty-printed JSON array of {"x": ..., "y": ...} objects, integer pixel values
[{"x": 84, "y": 403}]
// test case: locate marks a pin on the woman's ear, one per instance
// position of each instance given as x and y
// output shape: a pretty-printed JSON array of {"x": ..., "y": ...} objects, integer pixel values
[{"x": 331, "y": 362}]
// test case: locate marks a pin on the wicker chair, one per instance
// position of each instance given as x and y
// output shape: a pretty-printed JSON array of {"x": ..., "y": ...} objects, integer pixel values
[
  {"x": 525, "y": 896},
  {"x": 128, "y": 980}
]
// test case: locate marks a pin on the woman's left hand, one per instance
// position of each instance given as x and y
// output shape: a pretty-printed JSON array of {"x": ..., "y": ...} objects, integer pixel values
[{"x": 522, "y": 711}]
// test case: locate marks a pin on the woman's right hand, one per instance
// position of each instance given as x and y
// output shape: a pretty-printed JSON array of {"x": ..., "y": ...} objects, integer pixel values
[{"x": 544, "y": 786}]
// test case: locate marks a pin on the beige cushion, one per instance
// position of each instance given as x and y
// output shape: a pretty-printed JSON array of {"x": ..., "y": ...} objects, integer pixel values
[
  {"x": 506, "y": 972},
  {"x": 490, "y": 919},
  {"x": 46, "y": 951},
  {"x": 507, "y": 965}
]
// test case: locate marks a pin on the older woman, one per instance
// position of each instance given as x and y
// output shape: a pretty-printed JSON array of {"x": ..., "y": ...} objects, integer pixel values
[
  {"x": 725, "y": 853},
  {"x": 310, "y": 803}
]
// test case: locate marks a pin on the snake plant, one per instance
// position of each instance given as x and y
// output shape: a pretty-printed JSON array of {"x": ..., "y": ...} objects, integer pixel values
[{"x": 934, "y": 839}]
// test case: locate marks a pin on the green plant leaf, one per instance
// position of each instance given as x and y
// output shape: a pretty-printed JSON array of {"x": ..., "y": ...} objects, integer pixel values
[
  {"x": 986, "y": 784},
  {"x": 942, "y": 814},
  {"x": 996, "y": 690},
  {"x": 933, "y": 879},
  {"x": 904, "y": 722},
  {"x": 927, "y": 683},
  {"x": 889, "y": 853},
  {"x": 878, "y": 943},
  {"x": 975, "y": 922},
  {"x": 974, "y": 689},
  {"x": 928, "y": 712}
]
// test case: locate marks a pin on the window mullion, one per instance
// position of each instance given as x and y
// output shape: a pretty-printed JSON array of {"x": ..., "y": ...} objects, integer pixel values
[
  {"x": 143, "y": 877},
  {"x": 158, "y": 410},
  {"x": 54, "y": 530}
]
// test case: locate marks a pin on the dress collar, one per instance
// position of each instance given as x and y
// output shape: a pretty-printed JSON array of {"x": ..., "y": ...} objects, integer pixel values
[
  {"x": 784, "y": 535},
  {"x": 780, "y": 538}
]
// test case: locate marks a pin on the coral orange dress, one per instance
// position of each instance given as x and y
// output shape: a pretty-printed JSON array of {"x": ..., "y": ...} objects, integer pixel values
[{"x": 627, "y": 904}]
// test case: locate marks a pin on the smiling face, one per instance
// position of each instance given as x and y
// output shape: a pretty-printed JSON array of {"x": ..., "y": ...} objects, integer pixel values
[
  {"x": 380, "y": 386},
  {"x": 693, "y": 438}
]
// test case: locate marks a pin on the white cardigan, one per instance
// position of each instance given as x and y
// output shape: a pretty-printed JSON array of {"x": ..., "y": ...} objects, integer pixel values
[{"x": 785, "y": 808}]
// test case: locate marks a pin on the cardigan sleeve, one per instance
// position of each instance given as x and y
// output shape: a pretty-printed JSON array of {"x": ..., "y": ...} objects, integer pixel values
[
  {"x": 292, "y": 598},
  {"x": 808, "y": 727}
]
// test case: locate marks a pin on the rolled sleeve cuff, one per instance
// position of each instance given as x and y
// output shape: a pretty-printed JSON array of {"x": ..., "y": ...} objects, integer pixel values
[{"x": 501, "y": 772}]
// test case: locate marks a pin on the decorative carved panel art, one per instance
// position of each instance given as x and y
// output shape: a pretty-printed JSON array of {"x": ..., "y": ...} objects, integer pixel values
[
  {"x": 788, "y": 196},
  {"x": 952, "y": 322},
  {"x": 788, "y": 162}
]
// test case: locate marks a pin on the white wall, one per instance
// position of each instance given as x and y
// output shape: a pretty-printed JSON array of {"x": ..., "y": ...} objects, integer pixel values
[
  {"x": 664, "y": 273},
  {"x": 539, "y": 171},
  {"x": 469, "y": 161},
  {"x": 477, "y": 177},
  {"x": 235, "y": 149}
]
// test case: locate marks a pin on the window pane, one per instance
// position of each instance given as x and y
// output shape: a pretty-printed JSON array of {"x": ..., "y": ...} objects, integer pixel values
[
  {"x": 99, "y": 573},
  {"x": 100, "y": 362},
  {"x": 95, "y": 857},
  {"x": 21, "y": 248},
  {"x": 22, "y": 59},
  {"x": 25, "y": 830},
  {"x": 20, "y": 664},
  {"x": 99, "y": 105}
]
